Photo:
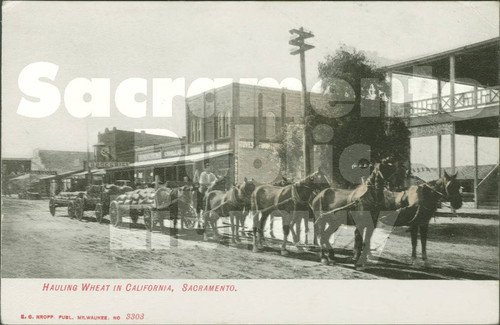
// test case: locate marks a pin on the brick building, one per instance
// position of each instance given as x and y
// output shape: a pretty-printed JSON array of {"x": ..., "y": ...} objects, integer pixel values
[
  {"x": 118, "y": 145},
  {"x": 236, "y": 128}
]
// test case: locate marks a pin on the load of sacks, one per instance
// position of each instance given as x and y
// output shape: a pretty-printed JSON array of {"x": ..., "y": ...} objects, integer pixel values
[
  {"x": 70, "y": 195},
  {"x": 141, "y": 196},
  {"x": 115, "y": 189}
]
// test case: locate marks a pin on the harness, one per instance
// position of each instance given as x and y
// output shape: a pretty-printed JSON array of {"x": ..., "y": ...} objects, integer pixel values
[{"x": 233, "y": 197}]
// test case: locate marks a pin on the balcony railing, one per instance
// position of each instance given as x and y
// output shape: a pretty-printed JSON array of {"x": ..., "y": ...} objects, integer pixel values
[{"x": 463, "y": 101}]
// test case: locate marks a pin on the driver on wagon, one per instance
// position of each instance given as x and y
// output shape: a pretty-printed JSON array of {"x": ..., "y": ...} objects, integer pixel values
[{"x": 207, "y": 177}]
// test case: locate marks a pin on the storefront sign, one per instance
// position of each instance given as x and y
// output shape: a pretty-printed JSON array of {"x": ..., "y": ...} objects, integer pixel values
[
  {"x": 107, "y": 164},
  {"x": 222, "y": 146},
  {"x": 173, "y": 153},
  {"x": 149, "y": 156},
  {"x": 246, "y": 144},
  {"x": 196, "y": 149}
]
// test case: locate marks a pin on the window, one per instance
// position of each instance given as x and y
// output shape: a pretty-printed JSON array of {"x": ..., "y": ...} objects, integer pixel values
[
  {"x": 220, "y": 125},
  {"x": 193, "y": 130},
  {"x": 270, "y": 125},
  {"x": 227, "y": 124},
  {"x": 198, "y": 130},
  {"x": 258, "y": 125},
  {"x": 223, "y": 124}
]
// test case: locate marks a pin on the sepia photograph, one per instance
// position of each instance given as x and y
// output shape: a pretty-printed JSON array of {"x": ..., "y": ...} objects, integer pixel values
[{"x": 249, "y": 162}]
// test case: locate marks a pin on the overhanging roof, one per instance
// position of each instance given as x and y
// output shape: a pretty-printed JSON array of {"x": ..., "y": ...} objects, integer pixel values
[
  {"x": 182, "y": 159},
  {"x": 477, "y": 61}
]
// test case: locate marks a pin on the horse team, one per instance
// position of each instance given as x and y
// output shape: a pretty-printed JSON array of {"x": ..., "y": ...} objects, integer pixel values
[{"x": 314, "y": 198}]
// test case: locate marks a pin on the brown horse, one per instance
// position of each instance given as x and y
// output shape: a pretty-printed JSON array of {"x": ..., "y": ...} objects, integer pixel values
[
  {"x": 290, "y": 201},
  {"x": 414, "y": 207},
  {"x": 233, "y": 203},
  {"x": 366, "y": 199}
]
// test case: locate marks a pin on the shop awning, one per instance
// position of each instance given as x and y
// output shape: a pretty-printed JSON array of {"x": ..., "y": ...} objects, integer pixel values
[
  {"x": 93, "y": 171},
  {"x": 181, "y": 159}
]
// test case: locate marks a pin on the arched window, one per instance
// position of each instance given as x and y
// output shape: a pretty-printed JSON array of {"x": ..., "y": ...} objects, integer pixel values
[
  {"x": 198, "y": 130},
  {"x": 270, "y": 125},
  {"x": 220, "y": 125},
  {"x": 193, "y": 130},
  {"x": 227, "y": 124}
]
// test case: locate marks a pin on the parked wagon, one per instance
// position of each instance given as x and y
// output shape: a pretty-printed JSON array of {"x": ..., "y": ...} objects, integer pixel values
[
  {"x": 64, "y": 199},
  {"x": 155, "y": 206},
  {"x": 109, "y": 193},
  {"x": 88, "y": 200}
]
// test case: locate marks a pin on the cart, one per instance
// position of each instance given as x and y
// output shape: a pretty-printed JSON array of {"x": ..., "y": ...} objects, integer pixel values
[
  {"x": 64, "y": 199},
  {"x": 109, "y": 194},
  {"x": 155, "y": 206}
]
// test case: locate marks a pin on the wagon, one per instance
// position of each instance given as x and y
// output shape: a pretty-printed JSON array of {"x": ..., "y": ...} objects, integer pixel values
[
  {"x": 88, "y": 200},
  {"x": 64, "y": 199},
  {"x": 109, "y": 193},
  {"x": 154, "y": 206}
]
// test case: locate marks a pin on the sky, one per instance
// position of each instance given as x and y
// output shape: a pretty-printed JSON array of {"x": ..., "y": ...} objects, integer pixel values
[{"x": 121, "y": 40}]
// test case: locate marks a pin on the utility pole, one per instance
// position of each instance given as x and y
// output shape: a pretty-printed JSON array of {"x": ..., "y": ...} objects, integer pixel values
[{"x": 298, "y": 39}]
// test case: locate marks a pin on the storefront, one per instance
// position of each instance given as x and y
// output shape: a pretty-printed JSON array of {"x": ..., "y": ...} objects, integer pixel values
[{"x": 176, "y": 170}]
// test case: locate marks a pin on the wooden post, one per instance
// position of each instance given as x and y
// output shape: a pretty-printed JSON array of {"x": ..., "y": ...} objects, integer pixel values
[
  {"x": 439, "y": 106},
  {"x": 389, "y": 98},
  {"x": 452, "y": 83},
  {"x": 475, "y": 96},
  {"x": 476, "y": 173},
  {"x": 157, "y": 181},
  {"x": 452, "y": 148},
  {"x": 439, "y": 156},
  {"x": 307, "y": 138}
]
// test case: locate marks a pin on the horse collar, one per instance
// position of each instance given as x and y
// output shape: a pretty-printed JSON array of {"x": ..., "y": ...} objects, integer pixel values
[
  {"x": 296, "y": 196},
  {"x": 434, "y": 190}
]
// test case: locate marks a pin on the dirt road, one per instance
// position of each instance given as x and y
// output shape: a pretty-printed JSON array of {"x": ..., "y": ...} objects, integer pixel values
[{"x": 37, "y": 245}]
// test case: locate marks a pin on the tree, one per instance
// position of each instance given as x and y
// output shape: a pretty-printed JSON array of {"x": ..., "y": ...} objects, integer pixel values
[
  {"x": 290, "y": 150},
  {"x": 355, "y": 110}
]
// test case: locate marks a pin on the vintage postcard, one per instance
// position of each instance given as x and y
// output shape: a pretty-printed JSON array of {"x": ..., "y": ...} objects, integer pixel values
[{"x": 249, "y": 162}]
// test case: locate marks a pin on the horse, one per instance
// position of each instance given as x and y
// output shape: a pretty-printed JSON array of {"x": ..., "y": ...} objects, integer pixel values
[
  {"x": 287, "y": 200},
  {"x": 414, "y": 207},
  {"x": 281, "y": 183},
  {"x": 232, "y": 203},
  {"x": 368, "y": 197}
]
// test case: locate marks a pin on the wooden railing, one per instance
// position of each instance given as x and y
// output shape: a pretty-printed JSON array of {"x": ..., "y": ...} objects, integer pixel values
[{"x": 463, "y": 101}]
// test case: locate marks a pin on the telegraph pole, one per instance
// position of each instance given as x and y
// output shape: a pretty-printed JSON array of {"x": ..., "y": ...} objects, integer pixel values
[{"x": 298, "y": 39}]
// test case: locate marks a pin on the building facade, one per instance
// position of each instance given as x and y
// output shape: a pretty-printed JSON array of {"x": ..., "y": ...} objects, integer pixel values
[{"x": 235, "y": 128}]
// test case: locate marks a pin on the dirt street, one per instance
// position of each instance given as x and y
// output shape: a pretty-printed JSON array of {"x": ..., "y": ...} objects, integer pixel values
[{"x": 37, "y": 245}]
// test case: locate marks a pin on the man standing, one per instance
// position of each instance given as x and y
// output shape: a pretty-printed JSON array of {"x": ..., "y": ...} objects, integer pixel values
[{"x": 207, "y": 177}]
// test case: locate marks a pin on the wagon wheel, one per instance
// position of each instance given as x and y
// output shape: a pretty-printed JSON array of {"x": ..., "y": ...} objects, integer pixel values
[
  {"x": 79, "y": 209},
  {"x": 52, "y": 207},
  {"x": 71, "y": 210},
  {"x": 148, "y": 219},
  {"x": 200, "y": 228},
  {"x": 189, "y": 223},
  {"x": 99, "y": 215},
  {"x": 114, "y": 214},
  {"x": 134, "y": 215}
]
